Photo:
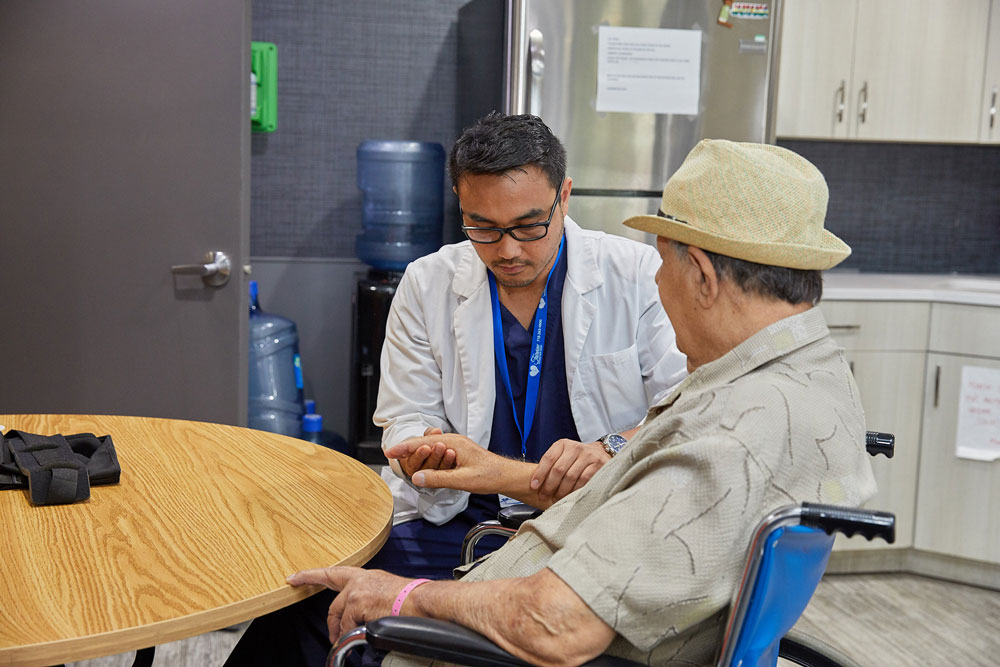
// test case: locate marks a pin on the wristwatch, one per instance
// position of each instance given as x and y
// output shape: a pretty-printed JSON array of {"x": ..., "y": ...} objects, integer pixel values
[{"x": 613, "y": 443}]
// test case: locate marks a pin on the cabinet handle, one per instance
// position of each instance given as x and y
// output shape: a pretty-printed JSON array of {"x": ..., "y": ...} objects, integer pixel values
[
  {"x": 863, "y": 102},
  {"x": 993, "y": 108},
  {"x": 842, "y": 95},
  {"x": 843, "y": 327},
  {"x": 937, "y": 384}
]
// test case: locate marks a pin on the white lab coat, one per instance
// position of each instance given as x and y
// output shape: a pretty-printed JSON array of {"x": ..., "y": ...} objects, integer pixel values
[{"x": 437, "y": 365}]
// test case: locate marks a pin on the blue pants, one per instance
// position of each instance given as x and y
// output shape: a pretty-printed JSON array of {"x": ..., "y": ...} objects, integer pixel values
[{"x": 297, "y": 635}]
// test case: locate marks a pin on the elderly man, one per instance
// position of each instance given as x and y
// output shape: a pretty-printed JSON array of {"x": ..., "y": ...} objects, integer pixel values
[{"x": 641, "y": 562}]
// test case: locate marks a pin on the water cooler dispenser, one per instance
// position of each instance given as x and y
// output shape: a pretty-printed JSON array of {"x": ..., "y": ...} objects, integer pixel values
[{"x": 403, "y": 187}]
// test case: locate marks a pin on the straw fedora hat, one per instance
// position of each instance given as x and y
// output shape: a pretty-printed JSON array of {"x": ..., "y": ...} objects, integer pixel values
[{"x": 756, "y": 202}]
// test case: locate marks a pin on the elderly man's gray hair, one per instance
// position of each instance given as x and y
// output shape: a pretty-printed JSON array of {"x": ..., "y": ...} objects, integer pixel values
[{"x": 791, "y": 285}]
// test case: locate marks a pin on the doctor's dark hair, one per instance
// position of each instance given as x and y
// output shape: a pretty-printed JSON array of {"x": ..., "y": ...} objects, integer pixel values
[
  {"x": 776, "y": 282},
  {"x": 496, "y": 144}
]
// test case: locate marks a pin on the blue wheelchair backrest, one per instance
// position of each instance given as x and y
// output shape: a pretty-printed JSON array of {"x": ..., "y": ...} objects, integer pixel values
[{"x": 793, "y": 562}]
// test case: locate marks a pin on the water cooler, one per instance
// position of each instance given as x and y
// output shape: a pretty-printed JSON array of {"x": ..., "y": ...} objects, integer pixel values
[{"x": 403, "y": 213}]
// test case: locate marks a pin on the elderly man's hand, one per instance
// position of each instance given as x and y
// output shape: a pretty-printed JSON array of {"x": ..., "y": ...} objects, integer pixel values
[
  {"x": 433, "y": 456},
  {"x": 365, "y": 595},
  {"x": 567, "y": 466},
  {"x": 476, "y": 469}
]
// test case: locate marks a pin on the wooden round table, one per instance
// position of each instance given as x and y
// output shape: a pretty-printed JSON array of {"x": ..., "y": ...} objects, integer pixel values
[{"x": 200, "y": 533}]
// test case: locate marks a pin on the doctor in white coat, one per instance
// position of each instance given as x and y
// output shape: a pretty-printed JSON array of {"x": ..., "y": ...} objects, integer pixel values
[{"x": 439, "y": 364}]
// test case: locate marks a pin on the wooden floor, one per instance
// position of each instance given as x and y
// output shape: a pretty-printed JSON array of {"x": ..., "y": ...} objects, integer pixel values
[{"x": 886, "y": 619}]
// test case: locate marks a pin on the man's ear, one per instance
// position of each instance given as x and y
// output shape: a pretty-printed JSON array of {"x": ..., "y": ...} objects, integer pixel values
[
  {"x": 564, "y": 199},
  {"x": 708, "y": 285}
]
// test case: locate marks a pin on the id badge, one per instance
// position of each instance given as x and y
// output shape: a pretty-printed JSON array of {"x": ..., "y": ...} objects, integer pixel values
[{"x": 506, "y": 501}]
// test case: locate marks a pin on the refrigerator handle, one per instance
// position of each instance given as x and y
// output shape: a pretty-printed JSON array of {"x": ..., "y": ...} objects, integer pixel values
[{"x": 536, "y": 70}]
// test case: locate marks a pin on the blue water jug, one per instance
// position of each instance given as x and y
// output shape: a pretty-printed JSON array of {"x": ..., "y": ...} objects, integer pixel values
[
  {"x": 275, "y": 381},
  {"x": 403, "y": 209}
]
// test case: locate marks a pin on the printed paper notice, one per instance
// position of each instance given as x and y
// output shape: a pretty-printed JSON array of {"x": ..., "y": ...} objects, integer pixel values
[
  {"x": 978, "y": 435},
  {"x": 648, "y": 70}
]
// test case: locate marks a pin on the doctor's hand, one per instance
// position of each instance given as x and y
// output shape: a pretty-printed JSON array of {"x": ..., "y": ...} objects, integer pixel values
[
  {"x": 475, "y": 469},
  {"x": 431, "y": 455},
  {"x": 566, "y": 467}
]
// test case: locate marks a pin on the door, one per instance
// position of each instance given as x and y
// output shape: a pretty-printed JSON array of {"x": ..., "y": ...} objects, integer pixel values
[
  {"x": 125, "y": 135},
  {"x": 958, "y": 502}
]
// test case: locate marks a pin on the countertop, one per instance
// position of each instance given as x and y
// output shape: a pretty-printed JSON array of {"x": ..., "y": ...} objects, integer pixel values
[{"x": 944, "y": 288}]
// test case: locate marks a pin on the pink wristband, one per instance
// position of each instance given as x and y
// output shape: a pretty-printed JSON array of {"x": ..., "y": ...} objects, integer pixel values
[{"x": 397, "y": 606}]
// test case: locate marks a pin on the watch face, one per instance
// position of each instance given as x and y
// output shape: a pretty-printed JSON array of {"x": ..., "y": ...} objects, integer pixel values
[{"x": 613, "y": 442}]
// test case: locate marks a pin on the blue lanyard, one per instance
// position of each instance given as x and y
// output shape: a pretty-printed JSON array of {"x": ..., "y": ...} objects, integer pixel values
[{"x": 535, "y": 362}]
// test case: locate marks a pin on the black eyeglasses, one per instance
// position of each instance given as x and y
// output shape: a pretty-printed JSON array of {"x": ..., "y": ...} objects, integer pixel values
[{"x": 536, "y": 231}]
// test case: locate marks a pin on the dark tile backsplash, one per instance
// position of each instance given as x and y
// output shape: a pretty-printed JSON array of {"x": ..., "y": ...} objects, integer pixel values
[{"x": 912, "y": 208}]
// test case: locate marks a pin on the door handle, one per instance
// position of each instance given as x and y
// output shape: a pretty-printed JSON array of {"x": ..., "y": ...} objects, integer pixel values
[
  {"x": 863, "y": 107},
  {"x": 841, "y": 98},
  {"x": 214, "y": 270},
  {"x": 993, "y": 108}
]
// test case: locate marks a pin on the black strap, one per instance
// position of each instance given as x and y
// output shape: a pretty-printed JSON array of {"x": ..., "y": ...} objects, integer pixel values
[
  {"x": 55, "y": 475},
  {"x": 57, "y": 469}
]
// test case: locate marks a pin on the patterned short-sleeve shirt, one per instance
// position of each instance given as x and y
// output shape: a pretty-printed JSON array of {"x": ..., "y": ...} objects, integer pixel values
[{"x": 654, "y": 543}]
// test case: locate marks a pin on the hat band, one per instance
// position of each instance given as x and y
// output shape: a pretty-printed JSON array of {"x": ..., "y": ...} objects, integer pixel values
[{"x": 660, "y": 213}]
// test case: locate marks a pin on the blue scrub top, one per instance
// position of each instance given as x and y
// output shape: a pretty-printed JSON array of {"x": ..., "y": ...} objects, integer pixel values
[{"x": 553, "y": 416}]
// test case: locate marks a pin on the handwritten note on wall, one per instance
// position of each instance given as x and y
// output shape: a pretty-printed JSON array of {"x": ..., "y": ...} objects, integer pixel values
[
  {"x": 978, "y": 435},
  {"x": 648, "y": 70}
]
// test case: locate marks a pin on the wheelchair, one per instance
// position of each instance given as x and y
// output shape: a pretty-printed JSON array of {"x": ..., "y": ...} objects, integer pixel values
[{"x": 793, "y": 543}]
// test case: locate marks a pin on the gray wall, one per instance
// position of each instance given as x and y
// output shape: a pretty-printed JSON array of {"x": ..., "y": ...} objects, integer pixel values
[{"x": 386, "y": 69}]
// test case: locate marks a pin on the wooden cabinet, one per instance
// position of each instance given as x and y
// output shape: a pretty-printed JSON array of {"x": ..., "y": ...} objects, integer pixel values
[
  {"x": 990, "y": 108},
  {"x": 886, "y": 344},
  {"x": 814, "y": 80},
  {"x": 958, "y": 502},
  {"x": 896, "y": 70}
]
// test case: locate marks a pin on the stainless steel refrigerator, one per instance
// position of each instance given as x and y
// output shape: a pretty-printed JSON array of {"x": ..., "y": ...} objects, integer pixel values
[{"x": 629, "y": 86}]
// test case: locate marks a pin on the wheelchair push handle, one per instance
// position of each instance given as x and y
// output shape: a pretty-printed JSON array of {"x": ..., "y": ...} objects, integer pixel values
[
  {"x": 880, "y": 443},
  {"x": 849, "y": 521}
]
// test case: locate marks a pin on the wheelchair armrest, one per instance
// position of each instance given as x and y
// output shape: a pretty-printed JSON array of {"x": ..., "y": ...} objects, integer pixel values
[
  {"x": 514, "y": 515},
  {"x": 431, "y": 638},
  {"x": 849, "y": 521},
  {"x": 443, "y": 640}
]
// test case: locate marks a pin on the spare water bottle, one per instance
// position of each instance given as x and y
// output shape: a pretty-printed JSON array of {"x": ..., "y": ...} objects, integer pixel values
[
  {"x": 403, "y": 210},
  {"x": 312, "y": 430},
  {"x": 275, "y": 381}
]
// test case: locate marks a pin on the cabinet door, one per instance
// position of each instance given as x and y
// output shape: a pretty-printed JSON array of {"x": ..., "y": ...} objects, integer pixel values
[
  {"x": 918, "y": 69},
  {"x": 814, "y": 80},
  {"x": 958, "y": 503},
  {"x": 990, "y": 109},
  {"x": 891, "y": 386}
]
